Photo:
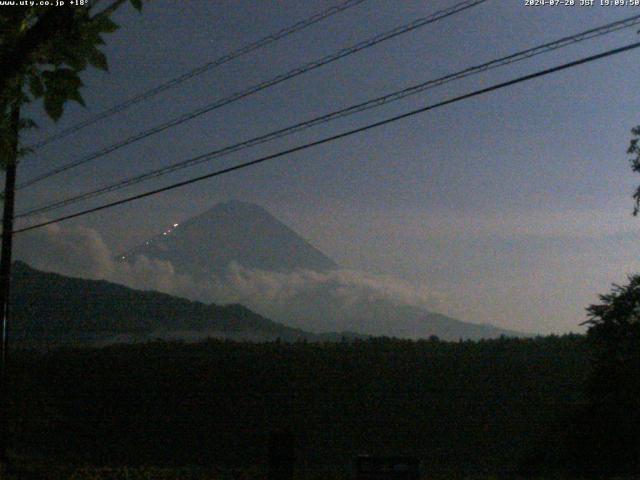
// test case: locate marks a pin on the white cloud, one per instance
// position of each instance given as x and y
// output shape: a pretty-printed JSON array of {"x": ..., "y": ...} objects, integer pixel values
[
  {"x": 321, "y": 301},
  {"x": 318, "y": 301},
  {"x": 76, "y": 251}
]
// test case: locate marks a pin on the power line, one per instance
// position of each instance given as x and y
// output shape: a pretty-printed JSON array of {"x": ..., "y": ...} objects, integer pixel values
[
  {"x": 370, "y": 104},
  {"x": 263, "y": 42},
  {"x": 406, "y": 28},
  {"x": 332, "y": 138}
]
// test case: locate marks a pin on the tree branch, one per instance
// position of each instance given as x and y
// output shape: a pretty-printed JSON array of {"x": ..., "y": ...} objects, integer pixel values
[{"x": 55, "y": 22}]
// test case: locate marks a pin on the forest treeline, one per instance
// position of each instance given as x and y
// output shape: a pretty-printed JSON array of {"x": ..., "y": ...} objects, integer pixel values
[{"x": 494, "y": 406}]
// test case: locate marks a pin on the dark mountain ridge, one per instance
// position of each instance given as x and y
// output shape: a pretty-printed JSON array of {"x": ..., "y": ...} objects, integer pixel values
[{"x": 53, "y": 307}]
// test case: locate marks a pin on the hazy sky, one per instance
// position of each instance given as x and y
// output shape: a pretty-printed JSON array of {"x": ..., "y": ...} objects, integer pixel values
[{"x": 515, "y": 206}]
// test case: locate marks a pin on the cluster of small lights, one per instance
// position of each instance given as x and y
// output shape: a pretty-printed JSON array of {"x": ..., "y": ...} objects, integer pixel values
[
  {"x": 170, "y": 229},
  {"x": 148, "y": 242}
]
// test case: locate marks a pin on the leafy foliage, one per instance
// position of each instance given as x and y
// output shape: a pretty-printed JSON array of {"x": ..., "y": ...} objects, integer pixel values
[
  {"x": 634, "y": 149},
  {"x": 614, "y": 383},
  {"x": 614, "y": 337},
  {"x": 601, "y": 438},
  {"x": 43, "y": 50}
]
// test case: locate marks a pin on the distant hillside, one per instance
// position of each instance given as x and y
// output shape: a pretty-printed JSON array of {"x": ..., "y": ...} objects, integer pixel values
[
  {"x": 232, "y": 232},
  {"x": 206, "y": 245},
  {"x": 55, "y": 308},
  {"x": 404, "y": 321}
]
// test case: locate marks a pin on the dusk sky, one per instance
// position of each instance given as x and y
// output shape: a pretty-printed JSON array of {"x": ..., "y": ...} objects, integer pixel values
[{"x": 514, "y": 207}]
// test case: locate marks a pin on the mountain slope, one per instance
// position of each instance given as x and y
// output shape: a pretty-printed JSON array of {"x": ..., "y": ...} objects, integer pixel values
[
  {"x": 405, "y": 321},
  {"x": 232, "y": 232},
  {"x": 376, "y": 317},
  {"x": 205, "y": 246},
  {"x": 48, "y": 306}
]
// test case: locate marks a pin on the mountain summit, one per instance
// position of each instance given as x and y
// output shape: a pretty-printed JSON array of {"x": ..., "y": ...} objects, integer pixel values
[
  {"x": 317, "y": 298},
  {"x": 232, "y": 232}
]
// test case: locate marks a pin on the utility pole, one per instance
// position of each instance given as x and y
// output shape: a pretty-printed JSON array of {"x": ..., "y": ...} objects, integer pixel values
[{"x": 5, "y": 275}]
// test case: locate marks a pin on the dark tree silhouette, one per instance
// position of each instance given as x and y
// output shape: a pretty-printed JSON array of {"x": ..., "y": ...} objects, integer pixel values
[
  {"x": 634, "y": 149},
  {"x": 613, "y": 386}
]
